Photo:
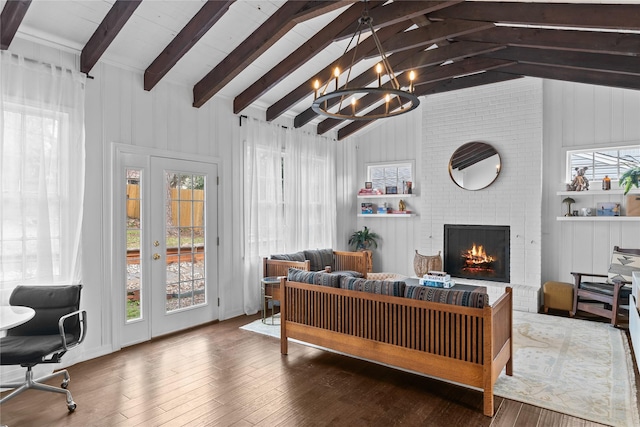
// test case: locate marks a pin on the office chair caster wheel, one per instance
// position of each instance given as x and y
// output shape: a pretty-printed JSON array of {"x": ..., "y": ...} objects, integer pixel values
[
  {"x": 65, "y": 384},
  {"x": 72, "y": 406}
]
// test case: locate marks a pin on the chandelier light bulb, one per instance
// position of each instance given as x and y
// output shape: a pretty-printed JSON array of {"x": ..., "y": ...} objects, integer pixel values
[
  {"x": 336, "y": 73},
  {"x": 353, "y": 105},
  {"x": 379, "y": 71},
  {"x": 412, "y": 76},
  {"x": 316, "y": 86}
]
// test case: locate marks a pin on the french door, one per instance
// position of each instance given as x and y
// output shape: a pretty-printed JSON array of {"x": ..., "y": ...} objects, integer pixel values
[{"x": 168, "y": 222}]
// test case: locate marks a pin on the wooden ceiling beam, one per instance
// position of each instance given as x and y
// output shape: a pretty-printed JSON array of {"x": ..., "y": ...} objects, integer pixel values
[
  {"x": 435, "y": 87},
  {"x": 304, "y": 53},
  {"x": 576, "y": 75},
  {"x": 11, "y": 17},
  {"x": 396, "y": 12},
  {"x": 461, "y": 68},
  {"x": 612, "y": 16},
  {"x": 434, "y": 33},
  {"x": 592, "y": 61},
  {"x": 305, "y": 89},
  {"x": 106, "y": 32},
  {"x": 272, "y": 30},
  {"x": 568, "y": 40},
  {"x": 197, "y": 27},
  {"x": 452, "y": 52}
]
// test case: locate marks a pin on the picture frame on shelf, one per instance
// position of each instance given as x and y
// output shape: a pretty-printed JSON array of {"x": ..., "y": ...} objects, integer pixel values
[
  {"x": 608, "y": 209},
  {"x": 368, "y": 185},
  {"x": 391, "y": 189}
]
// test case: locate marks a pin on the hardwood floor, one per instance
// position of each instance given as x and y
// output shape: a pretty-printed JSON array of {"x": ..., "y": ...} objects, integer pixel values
[{"x": 220, "y": 375}]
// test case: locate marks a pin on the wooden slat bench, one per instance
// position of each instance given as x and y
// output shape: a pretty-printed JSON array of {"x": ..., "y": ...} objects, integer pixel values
[{"x": 466, "y": 345}]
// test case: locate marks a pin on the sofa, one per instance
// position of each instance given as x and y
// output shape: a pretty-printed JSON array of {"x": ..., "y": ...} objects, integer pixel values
[
  {"x": 451, "y": 334},
  {"x": 316, "y": 260}
]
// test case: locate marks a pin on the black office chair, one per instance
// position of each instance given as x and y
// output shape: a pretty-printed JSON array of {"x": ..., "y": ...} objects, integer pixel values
[{"x": 57, "y": 326}]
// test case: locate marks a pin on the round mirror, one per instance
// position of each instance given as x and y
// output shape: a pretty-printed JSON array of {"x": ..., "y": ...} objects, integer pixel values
[{"x": 474, "y": 166}]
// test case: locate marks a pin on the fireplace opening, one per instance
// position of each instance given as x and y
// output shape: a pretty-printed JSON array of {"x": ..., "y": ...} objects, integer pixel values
[{"x": 477, "y": 251}]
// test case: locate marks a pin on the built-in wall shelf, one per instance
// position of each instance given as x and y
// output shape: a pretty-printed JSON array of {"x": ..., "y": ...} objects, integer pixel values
[
  {"x": 382, "y": 200},
  {"x": 384, "y": 196},
  {"x": 590, "y": 199},
  {"x": 596, "y": 192},
  {"x": 599, "y": 218},
  {"x": 387, "y": 215}
]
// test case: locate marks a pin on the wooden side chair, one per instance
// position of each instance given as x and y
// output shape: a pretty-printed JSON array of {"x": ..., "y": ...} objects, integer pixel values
[{"x": 603, "y": 298}]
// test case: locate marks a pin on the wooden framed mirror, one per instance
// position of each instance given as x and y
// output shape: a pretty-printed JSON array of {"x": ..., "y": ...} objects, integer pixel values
[{"x": 474, "y": 165}]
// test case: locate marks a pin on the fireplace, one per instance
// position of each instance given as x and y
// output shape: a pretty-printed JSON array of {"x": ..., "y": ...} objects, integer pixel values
[{"x": 477, "y": 252}]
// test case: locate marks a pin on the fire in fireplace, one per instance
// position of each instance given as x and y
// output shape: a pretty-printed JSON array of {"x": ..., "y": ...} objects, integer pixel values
[{"x": 477, "y": 251}]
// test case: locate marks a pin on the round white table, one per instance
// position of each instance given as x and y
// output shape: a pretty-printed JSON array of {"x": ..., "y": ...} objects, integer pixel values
[{"x": 14, "y": 315}]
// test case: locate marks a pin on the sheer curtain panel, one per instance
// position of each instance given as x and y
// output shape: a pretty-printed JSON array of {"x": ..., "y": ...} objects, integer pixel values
[
  {"x": 289, "y": 197},
  {"x": 42, "y": 158}
]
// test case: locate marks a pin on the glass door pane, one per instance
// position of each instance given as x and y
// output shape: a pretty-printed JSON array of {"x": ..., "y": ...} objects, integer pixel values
[
  {"x": 133, "y": 238},
  {"x": 185, "y": 241}
]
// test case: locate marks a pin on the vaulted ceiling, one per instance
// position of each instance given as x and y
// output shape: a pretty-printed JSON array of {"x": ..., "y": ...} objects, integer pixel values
[{"x": 267, "y": 53}]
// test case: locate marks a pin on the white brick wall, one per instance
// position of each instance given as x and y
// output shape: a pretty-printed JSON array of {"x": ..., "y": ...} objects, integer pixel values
[{"x": 508, "y": 116}]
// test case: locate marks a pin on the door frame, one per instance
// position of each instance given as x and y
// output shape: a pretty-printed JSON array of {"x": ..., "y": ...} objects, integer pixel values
[{"x": 114, "y": 241}]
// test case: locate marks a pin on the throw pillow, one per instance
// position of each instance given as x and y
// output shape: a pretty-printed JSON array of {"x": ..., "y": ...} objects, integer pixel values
[
  {"x": 319, "y": 258},
  {"x": 349, "y": 273},
  {"x": 380, "y": 287},
  {"x": 477, "y": 298},
  {"x": 314, "y": 277},
  {"x": 301, "y": 276},
  {"x": 622, "y": 266}
]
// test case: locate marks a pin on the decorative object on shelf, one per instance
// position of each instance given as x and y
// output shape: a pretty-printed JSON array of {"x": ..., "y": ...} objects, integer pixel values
[
  {"x": 629, "y": 178},
  {"x": 391, "y": 98},
  {"x": 568, "y": 201},
  {"x": 391, "y": 190},
  {"x": 585, "y": 212},
  {"x": 364, "y": 239},
  {"x": 608, "y": 209},
  {"x": 580, "y": 182},
  {"x": 402, "y": 206},
  {"x": 422, "y": 264},
  {"x": 409, "y": 187},
  {"x": 369, "y": 192},
  {"x": 474, "y": 166},
  {"x": 633, "y": 205},
  {"x": 368, "y": 185},
  {"x": 606, "y": 183},
  {"x": 366, "y": 208}
]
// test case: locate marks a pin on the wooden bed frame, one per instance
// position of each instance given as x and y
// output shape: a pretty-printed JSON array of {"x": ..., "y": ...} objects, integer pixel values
[{"x": 466, "y": 345}]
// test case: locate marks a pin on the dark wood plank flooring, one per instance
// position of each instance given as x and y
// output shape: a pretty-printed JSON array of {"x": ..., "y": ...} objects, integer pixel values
[{"x": 220, "y": 375}]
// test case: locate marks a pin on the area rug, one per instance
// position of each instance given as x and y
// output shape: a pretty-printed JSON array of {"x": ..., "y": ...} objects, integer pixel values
[{"x": 575, "y": 367}]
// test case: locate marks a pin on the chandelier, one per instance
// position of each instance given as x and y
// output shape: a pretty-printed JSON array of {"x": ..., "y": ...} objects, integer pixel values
[{"x": 342, "y": 103}]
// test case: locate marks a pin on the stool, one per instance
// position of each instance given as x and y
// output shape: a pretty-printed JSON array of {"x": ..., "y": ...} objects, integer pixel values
[{"x": 558, "y": 296}]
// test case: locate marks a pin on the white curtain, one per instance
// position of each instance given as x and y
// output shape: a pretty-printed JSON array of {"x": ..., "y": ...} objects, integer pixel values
[
  {"x": 289, "y": 197},
  {"x": 42, "y": 161}
]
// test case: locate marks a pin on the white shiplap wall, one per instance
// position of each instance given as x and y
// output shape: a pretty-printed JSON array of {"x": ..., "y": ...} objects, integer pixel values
[
  {"x": 580, "y": 116},
  {"x": 388, "y": 141}
]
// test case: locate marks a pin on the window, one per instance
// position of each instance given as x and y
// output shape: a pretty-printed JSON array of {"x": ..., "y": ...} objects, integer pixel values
[
  {"x": 28, "y": 167},
  {"x": 42, "y": 162},
  {"x": 602, "y": 162},
  {"x": 383, "y": 175}
]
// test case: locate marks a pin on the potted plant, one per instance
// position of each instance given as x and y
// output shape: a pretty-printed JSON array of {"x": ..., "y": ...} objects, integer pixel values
[
  {"x": 629, "y": 178},
  {"x": 363, "y": 239}
]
